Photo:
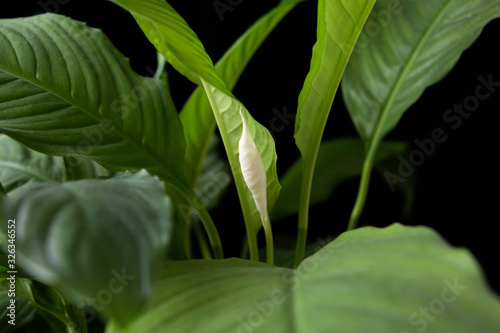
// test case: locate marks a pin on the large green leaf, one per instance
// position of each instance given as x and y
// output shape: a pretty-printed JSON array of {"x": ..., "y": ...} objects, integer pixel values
[
  {"x": 20, "y": 165},
  {"x": 101, "y": 241},
  {"x": 338, "y": 28},
  {"x": 339, "y": 25},
  {"x": 338, "y": 160},
  {"x": 196, "y": 115},
  {"x": 416, "y": 44},
  {"x": 417, "y": 47},
  {"x": 395, "y": 279},
  {"x": 65, "y": 90},
  {"x": 173, "y": 37}
]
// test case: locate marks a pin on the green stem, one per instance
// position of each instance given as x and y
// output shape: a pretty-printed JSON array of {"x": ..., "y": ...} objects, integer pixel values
[
  {"x": 187, "y": 240},
  {"x": 269, "y": 241},
  {"x": 253, "y": 247},
  {"x": 77, "y": 326},
  {"x": 305, "y": 191},
  {"x": 202, "y": 242},
  {"x": 212, "y": 233},
  {"x": 364, "y": 184},
  {"x": 192, "y": 200},
  {"x": 244, "y": 248}
]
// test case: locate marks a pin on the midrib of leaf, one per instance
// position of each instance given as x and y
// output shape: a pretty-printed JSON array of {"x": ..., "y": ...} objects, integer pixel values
[
  {"x": 377, "y": 135},
  {"x": 71, "y": 101},
  {"x": 403, "y": 74},
  {"x": 21, "y": 168}
]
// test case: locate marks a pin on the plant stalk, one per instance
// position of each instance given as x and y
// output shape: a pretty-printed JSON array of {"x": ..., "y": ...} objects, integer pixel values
[
  {"x": 305, "y": 192},
  {"x": 212, "y": 233},
  {"x": 364, "y": 185},
  {"x": 269, "y": 241},
  {"x": 253, "y": 248},
  {"x": 204, "y": 248}
]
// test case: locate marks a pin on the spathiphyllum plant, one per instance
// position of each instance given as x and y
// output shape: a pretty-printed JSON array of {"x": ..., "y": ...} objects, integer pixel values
[{"x": 103, "y": 228}]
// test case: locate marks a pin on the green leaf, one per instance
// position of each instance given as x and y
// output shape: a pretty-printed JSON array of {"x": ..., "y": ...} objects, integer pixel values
[
  {"x": 226, "y": 110},
  {"x": 388, "y": 169},
  {"x": 196, "y": 116},
  {"x": 66, "y": 90},
  {"x": 112, "y": 232},
  {"x": 2, "y": 190},
  {"x": 338, "y": 160},
  {"x": 172, "y": 36},
  {"x": 20, "y": 165},
  {"x": 395, "y": 279},
  {"x": 417, "y": 47},
  {"x": 339, "y": 25}
]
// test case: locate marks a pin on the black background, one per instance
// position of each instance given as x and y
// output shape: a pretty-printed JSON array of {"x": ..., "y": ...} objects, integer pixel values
[{"x": 456, "y": 187}]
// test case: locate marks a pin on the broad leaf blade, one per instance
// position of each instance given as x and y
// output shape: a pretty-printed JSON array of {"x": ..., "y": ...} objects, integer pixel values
[
  {"x": 367, "y": 280},
  {"x": 196, "y": 115},
  {"x": 65, "y": 90},
  {"x": 338, "y": 160},
  {"x": 339, "y": 25},
  {"x": 417, "y": 48},
  {"x": 114, "y": 231}
]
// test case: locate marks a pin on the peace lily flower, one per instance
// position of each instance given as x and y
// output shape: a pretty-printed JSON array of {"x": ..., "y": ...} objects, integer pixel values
[{"x": 254, "y": 175}]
